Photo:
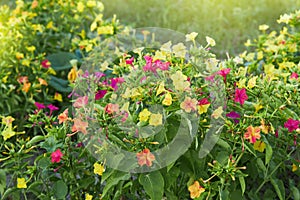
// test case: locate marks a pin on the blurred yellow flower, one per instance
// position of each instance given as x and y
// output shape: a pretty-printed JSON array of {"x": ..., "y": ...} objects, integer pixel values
[
  {"x": 26, "y": 62},
  {"x": 19, "y": 55},
  {"x": 8, "y": 133},
  {"x": 260, "y": 55},
  {"x": 155, "y": 119},
  {"x": 247, "y": 43},
  {"x": 8, "y": 120},
  {"x": 88, "y": 196},
  {"x": 167, "y": 100},
  {"x": 203, "y": 108},
  {"x": 241, "y": 83},
  {"x": 217, "y": 113},
  {"x": 284, "y": 19},
  {"x": 30, "y": 48},
  {"x": 144, "y": 115},
  {"x": 259, "y": 146},
  {"x": 179, "y": 50},
  {"x": 80, "y": 7},
  {"x": 105, "y": 30},
  {"x": 263, "y": 27},
  {"x": 294, "y": 168},
  {"x": 98, "y": 169},
  {"x": 21, "y": 183},
  {"x": 210, "y": 41},
  {"x": 166, "y": 47},
  {"x": 160, "y": 89},
  {"x": 42, "y": 81},
  {"x": 252, "y": 82},
  {"x": 257, "y": 107},
  {"x": 191, "y": 37},
  {"x": 72, "y": 74},
  {"x": 58, "y": 97},
  {"x": 91, "y": 4}
]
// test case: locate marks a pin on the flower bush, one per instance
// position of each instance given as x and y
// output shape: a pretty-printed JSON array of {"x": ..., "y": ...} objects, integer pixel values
[{"x": 140, "y": 118}]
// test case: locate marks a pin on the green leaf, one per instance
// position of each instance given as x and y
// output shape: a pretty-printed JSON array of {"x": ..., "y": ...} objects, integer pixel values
[
  {"x": 34, "y": 140},
  {"x": 243, "y": 184},
  {"x": 35, "y": 188},
  {"x": 261, "y": 164},
  {"x": 61, "y": 61},
  {"x": 153, "y": 184},
  {"x": 224, "y": 144},
  {"x": 2, "y": 181},
  {"x": 279, "y": 188},
  {"x": 60, "y": 189},
  {"x": 295, "y": 192},
  {"x": 114, "y": 179},
  {"x": 59, "y": 84},
  {"x": 269, "y": 153}
]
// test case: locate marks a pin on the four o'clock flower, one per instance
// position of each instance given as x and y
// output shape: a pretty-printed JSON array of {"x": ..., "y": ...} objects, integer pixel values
[
  {"x": 145, "y": 157},
  {"x": 56, "y": 156},
  {"x": 240, "y": 96},
  {"x": 252, "y": 134},
  {"x": 291, "y": 124},
  {"x": 224, "y": 73}
]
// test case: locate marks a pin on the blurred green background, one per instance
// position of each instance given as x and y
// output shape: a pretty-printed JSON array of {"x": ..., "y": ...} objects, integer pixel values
[{"x": 229, "y": 22}]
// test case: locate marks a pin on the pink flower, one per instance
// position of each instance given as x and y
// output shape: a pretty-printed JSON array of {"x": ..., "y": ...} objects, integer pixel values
[
  {"x": 203, "y": 101},
  {"x": 234, "y": 115},
  {"x": 291, "y": 124},
  {"x": 145, "y": 157},
  {"x": 161, "y": 65},
  {"x": 240, "y": 96},
  {"x": 224, "y": 73},
  {"x": 129, "y": 61},
  {"x": 80, "y": 126},
  {"x": 56, "y": 156},
  {"x": 115, "y": 82},
  {"x": 294, "y": 75},
  {"x": 46, "y": 64},
  {"x": 111, "y": 108},
  {"x": 189, "y": 104},
  {"x": 100, "y": 94},
  {"x": 63, "y": 116},
  {"x": 81, "y": 101},
  {"x": 39, "y": 106},
  {"x": 52, "y": 108}
]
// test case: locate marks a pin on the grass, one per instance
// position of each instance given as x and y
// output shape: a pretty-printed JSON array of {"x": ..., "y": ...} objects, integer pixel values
[{"x": 229, "y": 22}]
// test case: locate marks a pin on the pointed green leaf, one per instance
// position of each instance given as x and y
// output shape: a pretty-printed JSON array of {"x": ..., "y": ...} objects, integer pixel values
[
  {"x": 60, "y": 189},
  {"x": 279, "y": 188},
  {"x": 114, "y": 179},
  {"x": 153, "y": 184},
  {"x": 269, "y": 153},
  {"x": 243, "y": 184}
]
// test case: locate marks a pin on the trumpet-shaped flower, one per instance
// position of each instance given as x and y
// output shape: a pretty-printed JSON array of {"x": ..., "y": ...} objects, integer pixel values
[
  {"x": 291, "y": 124},
  {"x": 56, "y": 156},
  {"x": 144, "y": 115},
  {"x": 81, "y": 102},
  {"x": 240, "y": 95},
  {"x": 167, "y": 100},
  {"x": 79, "y": 125}
]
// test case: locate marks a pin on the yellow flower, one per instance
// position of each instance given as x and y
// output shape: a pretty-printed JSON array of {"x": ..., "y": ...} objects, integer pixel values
[
  {"x": 26, "y": 62},
  {"x": 264, "y": 128},
  {"x": 105, "y": 30},
  {"x": 58, "y": 97},
  {"x": 21, "y": 183},
  {"x": 93, "y": 26},
  {"x": 241, "y": 83},
  {"x": 248, "y": 43},
  {"x": 195, "y": 190},
  {"x": 98, "y": 169},
  {"x": 50, "y": 25},
  {"x": 263, "y": 27},
  {"x": 155, "y": 119},
  {"x": 160, "y": 89},
  {"x": 19, "y": 55},
  {"x": 179, "y": 50},
  {"x": 191, "y": 37},
  {"x": 88, "y": 196},
  {"x": 144, "y": 115},
  {"x": 250, "y": 56},
  {"x": 26, "y": 87},
  {"x": 30, "y": 48},
  {"x": 160, "y": 55},
  {"x": 257, "y": 107},
  {"x": 210, "y": 41},
  {"x": 167, "y": 100},
  {"x": 72, "y": 74},
  {"x": 80, "y": 7},
  {"x": 259, "y": 146},
  {"x": 91, "y": 4},
  {"x": 217, "y": 113},
  {"x": 252, "y": 82},
  {"x": 294, "y": 168},
  {"x": 8, "y": 133},
  {"x": 166, "y": 47},
  {"x": 260, "y": 55},
  {"x": 284, "y": 18},
  {"x": 8, "y": 120},
  {"x": 203, "y": 108}
]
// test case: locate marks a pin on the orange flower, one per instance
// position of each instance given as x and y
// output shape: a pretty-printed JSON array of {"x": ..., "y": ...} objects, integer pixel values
[
  {"x": 63, "y": 117},
  {"x": 42, "y": 81},
  {"x": 111, "y": 108},
  {"x": 252, "y": 134},
  {"x": 26, "y": 87},
  {"x": 145, "y": 157},
  {"x": 80, "y": 126},
  {"x": 195, "y": 190}
]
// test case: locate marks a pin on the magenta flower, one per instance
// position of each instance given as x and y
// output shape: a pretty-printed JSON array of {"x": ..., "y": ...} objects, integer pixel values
[
  {"x": 56, "y": 156},
  {"x": 240, "y": 96},
  {"x": 100, "y": 94},
  {"x": 39, "y": 106},
  {"x": 52, "y": 108},
  {"x": 233, "y": 115},
  {"x": 224, "y": 73},
  {"x": 161, "y": 65},
  {"x": 115, "y": 82},
  {"x": 203, "y": 101},
  {"x": 291, "y": 124},
  {"x": 294, "y": 75},
  {"x": 46, "y": 64},
  {"x": 129, "y": 61}
]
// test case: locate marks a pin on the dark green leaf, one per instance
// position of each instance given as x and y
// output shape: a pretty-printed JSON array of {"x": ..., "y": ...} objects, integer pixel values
[
  {"x": 60, "y": 189},
  {"x": 153, "y": 184}
]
